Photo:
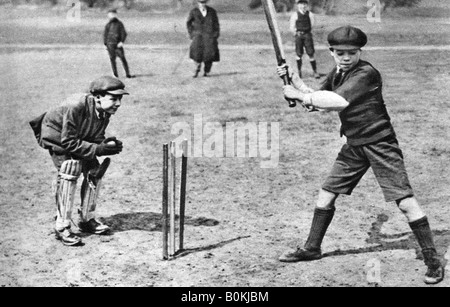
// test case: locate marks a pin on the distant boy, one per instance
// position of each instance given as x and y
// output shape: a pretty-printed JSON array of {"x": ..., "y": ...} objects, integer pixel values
[
  {"x": 354, "y": 89},
  {"x": 114, "y": 37},
  {"x": 204, "y": 30},
  {"x": 301, "y": 24},
  {"x": 74, "y": 135}
]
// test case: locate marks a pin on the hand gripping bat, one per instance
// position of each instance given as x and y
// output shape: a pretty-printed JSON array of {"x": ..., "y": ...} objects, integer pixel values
[{"x": 269, "y": 9}]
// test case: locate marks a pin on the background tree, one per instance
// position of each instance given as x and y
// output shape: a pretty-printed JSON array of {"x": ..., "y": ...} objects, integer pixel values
[
  {"x": 399, "y": 3},
  {"x": 280, "y": 5},
  {"x": 329, "y": 6}
]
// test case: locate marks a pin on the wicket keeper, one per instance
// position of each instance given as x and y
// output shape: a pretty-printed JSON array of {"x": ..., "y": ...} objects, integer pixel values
[
  {"x": 354, "y": 89},
  {"x": 74, "y": 135}
]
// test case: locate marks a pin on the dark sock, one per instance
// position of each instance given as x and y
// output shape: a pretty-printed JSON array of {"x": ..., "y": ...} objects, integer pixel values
[
  {"x": 314, "y": 65},
  {"x": 422, "y": 231},
  {"x": 321, "y": 220},
  {"x": 299, "y": 67}
]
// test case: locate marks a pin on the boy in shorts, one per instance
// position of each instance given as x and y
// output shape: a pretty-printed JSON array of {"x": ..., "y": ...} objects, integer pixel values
[
  {"x": 354, "y": 89},
  {"x": 301, "y": 24}
]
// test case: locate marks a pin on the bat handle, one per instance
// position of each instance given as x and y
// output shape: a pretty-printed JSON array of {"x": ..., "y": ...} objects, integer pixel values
[{"x": 292, "y": 102}]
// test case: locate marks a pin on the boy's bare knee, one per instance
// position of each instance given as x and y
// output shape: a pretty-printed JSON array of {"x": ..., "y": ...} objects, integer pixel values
[
  {"x": 411, "y": 208},
  {"x": 326, "y": 200}
]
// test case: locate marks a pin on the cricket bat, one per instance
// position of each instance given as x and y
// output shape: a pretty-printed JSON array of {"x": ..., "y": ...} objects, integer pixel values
[{"x": 271, "y": 16}]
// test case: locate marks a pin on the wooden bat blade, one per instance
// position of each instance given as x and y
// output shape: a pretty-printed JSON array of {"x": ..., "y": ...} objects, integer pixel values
[{"x": 271, "y": 16}]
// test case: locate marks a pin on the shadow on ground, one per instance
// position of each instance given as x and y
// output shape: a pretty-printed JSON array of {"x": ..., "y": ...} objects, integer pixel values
[
  {"x": 149, "y": 221},
  {"x": 188, "y": 251},
  {"x": 401, "y": 241}
]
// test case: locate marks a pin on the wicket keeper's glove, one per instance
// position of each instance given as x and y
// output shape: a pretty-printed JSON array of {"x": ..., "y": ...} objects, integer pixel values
[{"x": 105, "y": 149}]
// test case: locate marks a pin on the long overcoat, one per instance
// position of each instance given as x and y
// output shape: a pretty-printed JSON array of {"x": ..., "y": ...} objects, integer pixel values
[{"x": 204, "y": 32}]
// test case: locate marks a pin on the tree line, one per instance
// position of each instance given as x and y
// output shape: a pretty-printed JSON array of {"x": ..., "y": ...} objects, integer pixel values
[{"x": 328, "y": 6}]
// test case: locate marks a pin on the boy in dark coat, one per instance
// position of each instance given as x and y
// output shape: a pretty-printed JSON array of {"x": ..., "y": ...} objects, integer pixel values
[
  {"x": 204, "y": 30},
  {"x": 114, "y": 37},
  {"x": 354, "y": 89},
  {"x": 74, "y": 135}
]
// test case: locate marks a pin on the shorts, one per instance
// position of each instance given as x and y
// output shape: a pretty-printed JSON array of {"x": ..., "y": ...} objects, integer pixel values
[
  {"x": 304, "y": 41},
  {"x": 386, "y": 160}
]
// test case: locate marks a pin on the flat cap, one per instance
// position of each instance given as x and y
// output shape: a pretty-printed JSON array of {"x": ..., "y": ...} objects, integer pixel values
[
  {"x": 202, "y": 1},
  {"x": 302, "y": 1},
  {"x": 347, "y": 38},
  {"x": 112, "y": 11},
  {"x": 108, "y": 84}
]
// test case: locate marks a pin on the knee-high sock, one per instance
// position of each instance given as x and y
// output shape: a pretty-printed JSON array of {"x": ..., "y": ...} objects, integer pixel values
[
  {"x": 422, "y": 231},
  {"x": 299, "y": 67},
  {"x": 321, "y": 220},
  {"x": 314, "y": 65}
]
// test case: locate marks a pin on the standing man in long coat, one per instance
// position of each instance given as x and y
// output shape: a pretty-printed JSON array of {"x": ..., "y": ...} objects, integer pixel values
[{"x": 204, "y": 30}]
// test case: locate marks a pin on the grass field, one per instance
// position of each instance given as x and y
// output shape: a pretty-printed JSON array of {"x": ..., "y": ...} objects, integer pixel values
[{"x": 240, "y": 216}]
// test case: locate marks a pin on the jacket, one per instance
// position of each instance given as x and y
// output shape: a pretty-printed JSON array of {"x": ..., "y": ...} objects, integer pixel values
[
  {"x": 114, "y": 32},
  {"x": 204, "y": 32},
  {"x": 73, "y": 128}
]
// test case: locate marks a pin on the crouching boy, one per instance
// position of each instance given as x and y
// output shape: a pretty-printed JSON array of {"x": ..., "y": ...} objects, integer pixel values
[{"x": 74, "y": 135}]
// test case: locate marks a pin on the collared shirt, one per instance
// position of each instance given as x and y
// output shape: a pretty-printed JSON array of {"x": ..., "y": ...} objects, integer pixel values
[
  {"x": 99, "y": 115},
  {"x": 204, "y": 11},
  {"x": 338, "y": 76}
]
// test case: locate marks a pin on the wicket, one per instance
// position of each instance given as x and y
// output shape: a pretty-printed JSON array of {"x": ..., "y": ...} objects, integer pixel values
[{"x": 169, "y": 199}]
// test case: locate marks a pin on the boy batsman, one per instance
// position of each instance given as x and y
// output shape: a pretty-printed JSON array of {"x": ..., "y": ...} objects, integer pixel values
[
  {"x": 354, "y": 89},
  {"x": 74, "y": 135}
]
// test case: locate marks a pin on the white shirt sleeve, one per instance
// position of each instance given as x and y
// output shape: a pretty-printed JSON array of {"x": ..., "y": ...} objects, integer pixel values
[
  {"x": 312, "y": 17},
  {"x": 292, "y": 23},
  {"x": 326, "y": 100}
]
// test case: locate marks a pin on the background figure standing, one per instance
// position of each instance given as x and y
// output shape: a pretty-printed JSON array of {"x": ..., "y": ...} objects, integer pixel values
[
  {"x": 204, "y": 30},
  {"x": 301, "y": 24},
  {"x": 114, "y": 38}
]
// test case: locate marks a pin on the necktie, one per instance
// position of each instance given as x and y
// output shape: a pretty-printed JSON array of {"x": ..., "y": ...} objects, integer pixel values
[{"x": 338, "y": 78}]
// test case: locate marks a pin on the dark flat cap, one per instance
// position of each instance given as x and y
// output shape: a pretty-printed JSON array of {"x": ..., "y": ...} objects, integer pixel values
[
  {"x": 108, "y": 84},
  {"x": 347, "y": 38},
  {"x": 112, "y": 11},
  {"x": 302, "y": 1}
]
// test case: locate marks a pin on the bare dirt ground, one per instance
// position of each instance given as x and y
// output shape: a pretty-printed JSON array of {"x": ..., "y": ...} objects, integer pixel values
[{"x": 240, "y": 217}]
